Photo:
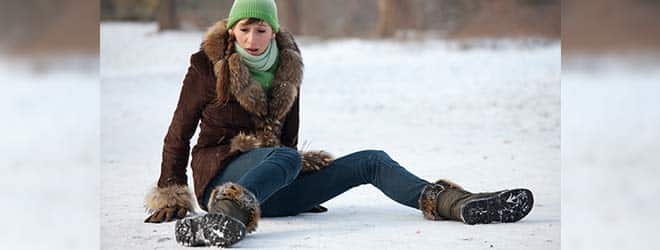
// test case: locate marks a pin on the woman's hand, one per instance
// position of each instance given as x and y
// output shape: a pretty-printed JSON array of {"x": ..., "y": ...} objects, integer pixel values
[
  {"x": 168, "y": 203},
  {"x": 167, "y": 214}
]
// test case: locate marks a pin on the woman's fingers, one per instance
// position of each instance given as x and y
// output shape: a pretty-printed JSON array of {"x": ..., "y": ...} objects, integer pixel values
[
  {"x": 155, "y": 217},
  {"x": 169, "y": 213},
  {"x": 166, "y": 215},
  {"x": 148, "y": 219},
  {"x": 181, "y": 213}
]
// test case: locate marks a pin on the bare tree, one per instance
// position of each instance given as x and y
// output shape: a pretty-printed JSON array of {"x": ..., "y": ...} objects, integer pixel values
[
  {"x": 419, "y": 10},
  {"x": 167, "y": 19},
  {"x": 405, "y": 14},
  {"x": 290, "y": 15},
  {"x": 386, "y": 18},
  {"x": 352, "y": 10}
]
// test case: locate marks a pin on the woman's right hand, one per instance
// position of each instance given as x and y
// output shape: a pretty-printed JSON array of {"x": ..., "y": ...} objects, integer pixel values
[{"x": 167, "y": 214}]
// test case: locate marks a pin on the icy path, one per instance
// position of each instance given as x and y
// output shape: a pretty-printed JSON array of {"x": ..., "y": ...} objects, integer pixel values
[{"x": 488, "y": 119}]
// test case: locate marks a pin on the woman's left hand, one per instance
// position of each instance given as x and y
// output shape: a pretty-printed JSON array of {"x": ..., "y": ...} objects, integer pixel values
[{"x": 167, "y": 214}]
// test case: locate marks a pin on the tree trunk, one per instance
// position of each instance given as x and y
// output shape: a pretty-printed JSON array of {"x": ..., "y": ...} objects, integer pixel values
[
  {"x": 386, "y": 18},
  {"x": 290, "y": 11},
  {"x": 405, "y": 16},
  {"x": 167, "y": 19},
  {"x": 420, "y": 15}
]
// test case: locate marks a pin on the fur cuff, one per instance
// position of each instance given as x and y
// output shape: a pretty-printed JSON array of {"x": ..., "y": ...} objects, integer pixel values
[
  {"x": 448, "y": 184},
  {"x": 241, "y": 196},
  {"x": 244, "y": 142},
  {"x": 428, "y": 201},
  {"x": 315, "y": 160},
  {"x": 172, "y": 196}
]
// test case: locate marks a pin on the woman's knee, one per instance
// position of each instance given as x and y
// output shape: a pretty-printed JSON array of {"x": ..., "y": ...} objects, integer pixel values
[
  {"x": 373, "y": 161},
  {"x": 287, "y": 152},
  {"x": 374, "y": 154},
  {"x": 291, "y": 158}
]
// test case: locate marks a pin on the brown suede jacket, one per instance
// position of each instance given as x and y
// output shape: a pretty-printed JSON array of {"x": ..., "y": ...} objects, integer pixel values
[{"x": 250, "y": 119}]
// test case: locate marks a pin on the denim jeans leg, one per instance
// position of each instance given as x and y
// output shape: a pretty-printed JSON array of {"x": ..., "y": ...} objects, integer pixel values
[
  {"x": 279, "y": 169},
  {"x": 365, "y": 167},
  {"x": 262, "y": 171}
]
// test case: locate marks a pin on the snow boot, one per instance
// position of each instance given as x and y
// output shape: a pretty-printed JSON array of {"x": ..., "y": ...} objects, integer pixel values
[
  {"x": 233, "y": 211},
  {"x": 446, "y": 200},
  {"x": 209, "y": 230}
]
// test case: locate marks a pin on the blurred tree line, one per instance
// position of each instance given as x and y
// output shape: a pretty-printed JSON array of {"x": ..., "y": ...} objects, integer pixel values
[
  {"x": 35, "y": 27},
  {"x": 610, "y": 25},
  {"x": 363, "y": 18}
]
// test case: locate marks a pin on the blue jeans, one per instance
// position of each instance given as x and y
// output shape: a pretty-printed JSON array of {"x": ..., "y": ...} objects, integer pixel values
[{"x": 273, "y": 175}]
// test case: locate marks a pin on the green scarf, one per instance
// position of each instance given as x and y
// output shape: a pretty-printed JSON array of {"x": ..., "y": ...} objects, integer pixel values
[{"x": 262, "y": 67}]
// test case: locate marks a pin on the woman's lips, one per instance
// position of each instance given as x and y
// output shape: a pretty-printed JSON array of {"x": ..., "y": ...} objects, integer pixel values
[{"x": 253, "y": 52}]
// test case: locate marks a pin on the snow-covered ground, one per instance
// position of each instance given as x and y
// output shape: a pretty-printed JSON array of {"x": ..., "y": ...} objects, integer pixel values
[
  {"x": 610, "y": 145},
  {"x": 487, "y": 118},
  {"x": 49, "y": 153}
]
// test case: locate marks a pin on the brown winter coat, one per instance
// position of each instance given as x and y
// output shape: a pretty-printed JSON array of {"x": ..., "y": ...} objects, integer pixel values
[{"x": 250, "y": 119}]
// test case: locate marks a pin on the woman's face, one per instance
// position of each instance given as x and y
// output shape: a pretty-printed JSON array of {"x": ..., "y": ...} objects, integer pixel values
[{"x": 253, "y": 38}]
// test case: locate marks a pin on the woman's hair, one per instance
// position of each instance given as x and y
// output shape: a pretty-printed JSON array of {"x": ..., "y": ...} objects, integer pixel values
[
  {"x": 222, "y": 89},
  {"x": 253, "y": 20}
]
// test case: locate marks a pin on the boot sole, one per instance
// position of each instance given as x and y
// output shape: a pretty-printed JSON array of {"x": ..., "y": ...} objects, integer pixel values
[
  {"x": 503, "y": 207},
  {"x": 209, "y": 230}
]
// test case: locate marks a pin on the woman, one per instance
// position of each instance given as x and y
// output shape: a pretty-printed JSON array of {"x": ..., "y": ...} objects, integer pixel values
[{"x": 244, "y": 86}]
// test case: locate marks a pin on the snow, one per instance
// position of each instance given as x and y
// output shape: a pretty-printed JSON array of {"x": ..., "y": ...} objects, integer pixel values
[
  {"x": 486, "y": 118},
  {"x": 50, "y": 153},
  {"x": 610, "y": 151}
]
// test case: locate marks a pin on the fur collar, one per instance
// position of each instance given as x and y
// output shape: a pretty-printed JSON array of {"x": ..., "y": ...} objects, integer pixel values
[{"x": 244, "y": 88}]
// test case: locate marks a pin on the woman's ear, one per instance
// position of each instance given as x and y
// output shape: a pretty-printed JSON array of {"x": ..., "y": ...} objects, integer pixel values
[{"x": 231, "y": 32}]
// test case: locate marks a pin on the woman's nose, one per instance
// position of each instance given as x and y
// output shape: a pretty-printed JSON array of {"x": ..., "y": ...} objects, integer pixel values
[{"x": 249, "y": 38}]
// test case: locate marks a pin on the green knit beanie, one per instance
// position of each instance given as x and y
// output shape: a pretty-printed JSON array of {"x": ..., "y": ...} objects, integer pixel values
[{"x": 262, "y": 9}]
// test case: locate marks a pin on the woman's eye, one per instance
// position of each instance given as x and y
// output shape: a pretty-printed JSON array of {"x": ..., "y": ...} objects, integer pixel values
[
  {"x": 244, "y": 30},
  {"x": 261, "y": 31}
]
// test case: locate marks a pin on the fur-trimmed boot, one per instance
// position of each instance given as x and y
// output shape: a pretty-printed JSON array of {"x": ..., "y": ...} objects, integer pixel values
[
  {"x": 446, "y": 200},
  {"x": 233, "y": 211}
]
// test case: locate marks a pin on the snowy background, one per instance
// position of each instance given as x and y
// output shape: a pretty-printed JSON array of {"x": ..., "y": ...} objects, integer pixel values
[
  {"x": 610, "y": 145},
  {"x": 49, "y": 153},
  {"x": 486, "y": 116}
]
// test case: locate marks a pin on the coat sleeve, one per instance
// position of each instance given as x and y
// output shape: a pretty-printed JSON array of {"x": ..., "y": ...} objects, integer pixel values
[
  {"x": 176, "y": 148},
  {"x": 291, "y": 125}
]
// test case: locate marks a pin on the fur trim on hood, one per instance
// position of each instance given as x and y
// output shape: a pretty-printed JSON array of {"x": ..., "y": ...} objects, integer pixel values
[{"x": 268, "y": 113}]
